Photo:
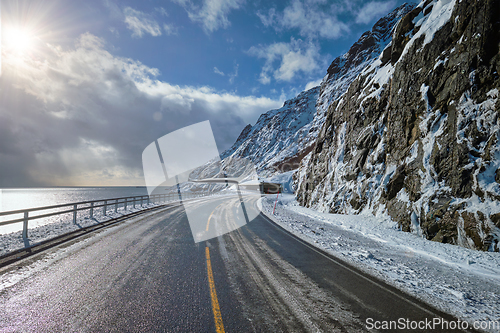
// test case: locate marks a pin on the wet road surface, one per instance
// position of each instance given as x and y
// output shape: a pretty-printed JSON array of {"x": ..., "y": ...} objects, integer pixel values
[{"x": 148, "y": 275}]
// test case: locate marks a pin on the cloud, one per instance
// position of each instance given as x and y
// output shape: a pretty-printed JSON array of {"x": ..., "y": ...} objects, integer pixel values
[
  {"x": 114, "y": 9},
  {"x": 269, "y": 18},
  {"x": 231, "y": 76},
  {"x": 234, "y": 75},
  {"x": 170, "y": 29},
  {"x": 217, "y": 71},
  {"x": 294, "y": 57},
  {"x": 312, "y": 84},
  {"x": 313, "y": 19},
  {"x": 178, "y": 102},
  {"x": 374, "y": 10},
  {"x": 140, "y": 23},
  {"x": 162, "y": 11},
  {"x": 83, "y": 116},
  {"x": 212, "y": 15}
]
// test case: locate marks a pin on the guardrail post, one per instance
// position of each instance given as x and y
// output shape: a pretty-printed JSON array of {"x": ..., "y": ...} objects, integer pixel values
[
  {"x": 91, "y": 210},
  {"x": 104, "y": 208},
  {"x": 125, "y": 206},
  {"x": 148, "y": 200},
  {"x": 74, "y": 213},
  {"x": 141, "y": 201},
  {"x": 25, "y": 225},
  {"x": 134, "y": 202},
  {"x": 116, "y": 205}
]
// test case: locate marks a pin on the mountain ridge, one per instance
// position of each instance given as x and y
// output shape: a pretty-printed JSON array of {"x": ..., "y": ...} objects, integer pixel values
[{"x": 281, "y": 138}]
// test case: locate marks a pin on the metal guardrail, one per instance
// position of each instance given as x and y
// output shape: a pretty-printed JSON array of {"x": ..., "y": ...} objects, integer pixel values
[
  {"x": 75, "y": 207},
  {"x": 82, "y": 206},
  {"x": 16, "y": 255}
]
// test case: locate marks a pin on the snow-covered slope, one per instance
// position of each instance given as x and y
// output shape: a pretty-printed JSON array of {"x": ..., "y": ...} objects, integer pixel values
[
  {"x": 416, "y": 134},
  {"x": 279, "y": 135},
  {"x": 344, "y": 69}
]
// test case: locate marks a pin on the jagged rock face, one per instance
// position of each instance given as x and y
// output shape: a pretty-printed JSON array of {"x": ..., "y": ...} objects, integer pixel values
[
  {"x": 370, "y": 43},
  {"x": 416, "y": 135},
  {"x": 279, "y": 135},
  {"x": 344, "y": 69}
]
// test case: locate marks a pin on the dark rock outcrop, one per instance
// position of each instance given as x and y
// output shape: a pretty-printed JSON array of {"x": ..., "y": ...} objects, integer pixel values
[{"x": 344, "y": 69}]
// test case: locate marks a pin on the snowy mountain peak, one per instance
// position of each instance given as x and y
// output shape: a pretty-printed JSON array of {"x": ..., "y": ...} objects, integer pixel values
[
  {"x": 370, "y": 44},
  {"x": 278, "y": 135},
  {"x": 281, "y": 138},
  {"x": 345, "y": 68}
]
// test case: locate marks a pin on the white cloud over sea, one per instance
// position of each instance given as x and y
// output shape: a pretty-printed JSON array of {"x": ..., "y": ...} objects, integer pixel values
[{"x": 82, "y": 116}]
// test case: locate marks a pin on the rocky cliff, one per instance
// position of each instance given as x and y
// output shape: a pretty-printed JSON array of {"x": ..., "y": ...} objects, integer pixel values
[{"x": 416, "y": 134}]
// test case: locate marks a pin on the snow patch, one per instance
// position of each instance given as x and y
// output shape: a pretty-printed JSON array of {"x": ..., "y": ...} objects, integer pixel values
[{"x": 431, "y": 23}]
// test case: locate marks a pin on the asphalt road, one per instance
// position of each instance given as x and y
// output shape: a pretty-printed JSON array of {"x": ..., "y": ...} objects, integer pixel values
[{"x": 148, "y": 275}]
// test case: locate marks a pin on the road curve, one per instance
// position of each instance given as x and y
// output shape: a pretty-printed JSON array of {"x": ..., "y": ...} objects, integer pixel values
[{"x": 149, "y": 276}]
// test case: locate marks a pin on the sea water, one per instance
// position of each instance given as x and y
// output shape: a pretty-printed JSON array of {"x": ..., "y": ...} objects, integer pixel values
[{"x": 23, "y": 198}]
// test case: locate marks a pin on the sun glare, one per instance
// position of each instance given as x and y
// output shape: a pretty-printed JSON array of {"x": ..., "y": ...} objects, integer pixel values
[{"x": 19, "y": 40}]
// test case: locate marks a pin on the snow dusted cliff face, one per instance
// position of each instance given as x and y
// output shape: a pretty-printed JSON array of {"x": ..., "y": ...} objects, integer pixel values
[
  {"x": 416, "y": 134},
  {"x": 281, "y": 138},
  {"x": 344, "y": 69}
]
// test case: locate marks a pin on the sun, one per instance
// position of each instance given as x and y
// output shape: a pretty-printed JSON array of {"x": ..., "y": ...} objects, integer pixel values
[{"x": 19, "y": 40}]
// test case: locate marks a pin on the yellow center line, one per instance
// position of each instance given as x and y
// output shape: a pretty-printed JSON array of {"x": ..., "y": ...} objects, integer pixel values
[
  {"x": 210, "y": 217},
  {"x": 219, "y": 326}
]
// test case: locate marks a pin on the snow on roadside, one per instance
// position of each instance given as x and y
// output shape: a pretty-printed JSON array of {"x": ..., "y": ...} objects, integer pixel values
[
  {"x": 14, "y": 241},
  {"x": 457, "y": 280}
]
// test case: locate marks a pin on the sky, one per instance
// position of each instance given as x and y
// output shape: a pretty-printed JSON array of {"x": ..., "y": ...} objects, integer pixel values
[{"x": 85, "y": 86}]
